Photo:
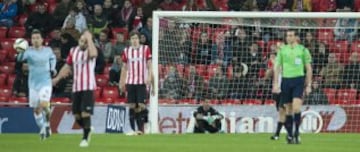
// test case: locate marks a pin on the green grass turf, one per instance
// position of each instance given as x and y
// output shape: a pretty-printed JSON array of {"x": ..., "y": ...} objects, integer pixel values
[{"x": 180, "y": 143}]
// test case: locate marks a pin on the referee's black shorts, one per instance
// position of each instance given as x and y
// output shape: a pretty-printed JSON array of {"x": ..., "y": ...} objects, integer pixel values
[
  {"x": 292, "y": 88},
  {"x": 83, "y": 101},
  {"x": 136, "y": 93}
]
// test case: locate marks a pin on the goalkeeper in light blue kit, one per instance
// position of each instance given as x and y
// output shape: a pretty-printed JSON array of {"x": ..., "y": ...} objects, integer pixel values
[{"x": 42, "y": 62}]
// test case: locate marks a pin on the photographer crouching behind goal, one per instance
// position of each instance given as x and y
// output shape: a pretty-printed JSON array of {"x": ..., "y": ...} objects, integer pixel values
[{"x": 207, "y": 119}]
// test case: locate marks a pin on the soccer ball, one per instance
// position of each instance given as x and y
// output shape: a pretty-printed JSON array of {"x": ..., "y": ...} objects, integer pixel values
[{"x": 21, "y": 45}]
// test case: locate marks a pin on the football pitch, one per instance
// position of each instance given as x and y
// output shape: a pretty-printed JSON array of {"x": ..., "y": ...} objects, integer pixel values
[{"x": 179, "y": 143}]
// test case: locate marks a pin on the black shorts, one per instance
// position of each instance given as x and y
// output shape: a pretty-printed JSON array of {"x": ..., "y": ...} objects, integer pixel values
[
  {"x": 136, "y": 93},
  {"x": 277, "y": 97},
  {"x": 83, "y": 101},
  {"x": 291, "y": 88}
]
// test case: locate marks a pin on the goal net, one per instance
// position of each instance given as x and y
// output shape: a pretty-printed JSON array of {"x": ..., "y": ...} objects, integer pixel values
[{"x": 227, "y": 58}]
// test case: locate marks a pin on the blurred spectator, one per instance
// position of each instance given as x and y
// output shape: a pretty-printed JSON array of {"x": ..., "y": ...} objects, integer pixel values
[
  {"x": 320, "y": 57},
  {"x": 8, "y": 12},
  {"x": 169, "y": 5},
  {"x": 224, "y": 52},
  {"x": 324, "y": 5},
  {"x": 240, "y": 45},
  {"x": 195, "y": 84},
  {"x": 351, "y": 74},
  {"x": 148, "y": 7},
  {"x": 249, "y": 5},
  {"x": 100, "y": 62},
  {"x": 55, "y": 38},
  {"x": 356, "y": 6},
  {"x": 147, "y": 29},
  {"x": 20, "y": 86},
  {"x": 108, "y": 9},
  {"x": 184, "y": 47},
  {"x": 302, "y": 6},
  {"x": 40, "y": 20},
  {"x": 346, "y": 29},
  {"x": 309, "y": 41},
  {"x": 64, "y": 86},
  {"x": 76, "y": 16},
  {"x": 119, "y": 45},
  {"x": 235, "y": 5},
  {"x": 115, "y": 71},
  {"x": 205, "y": 50},
  {"x": 277, "y": 5},
  {"x": 61, "y": 11},
  {"x": 173, "y": 85},
  {"x": 238, "y": 84},
  {"x": 91, "y": 4},
  {"x": 317, "y": 95},
  {"x": 331, "y": 73},
  {"x": 218, "y": 85},
  {"x": 97, "y": 22},
  {"x": 144, "y": 41},
  {"x": 253, "y": 59},
  {"x": 124, "y": 17},
  {"x": 207, "y": 119},
  {"x": 137, "y": 22},
  {"x": 345, "y": 4},
  {"x": 169, "y": 39},
  {"x": 81, "y": 7},
  {"x": 67, "y": 42},
  {"x": 70, "y": 29},
  {"x": 262, "y": 4},
  {"x": 105, "y": 46},
  {"x": 191, "y": 5}
]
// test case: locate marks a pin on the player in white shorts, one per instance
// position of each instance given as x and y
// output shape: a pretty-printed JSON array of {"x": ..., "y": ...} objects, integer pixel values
[{"x": 42, "y": 62}]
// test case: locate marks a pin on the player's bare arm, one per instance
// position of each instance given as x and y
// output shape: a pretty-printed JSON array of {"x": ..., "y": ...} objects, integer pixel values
[
  {"x": 93, "y": 52},
  {"x": 65, "y": 71},
  {"x": 123, "y": 77}
]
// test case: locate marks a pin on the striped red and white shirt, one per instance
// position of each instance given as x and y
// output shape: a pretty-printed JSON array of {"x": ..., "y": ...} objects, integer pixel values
[
  {"x": 136, "y": 62},
  {"x": 83, "y": 69}
]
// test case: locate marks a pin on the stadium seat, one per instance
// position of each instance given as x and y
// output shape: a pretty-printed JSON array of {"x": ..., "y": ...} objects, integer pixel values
[
  {"x": 166, "y": 101},
  {"x": 230, "y": 101},
  {"x": 5, "y": 92},
  {"x": 330, "y": 94},
  {"x": 252, "y": 102},
  {"x": 343, "y": 57},
  {"x": 7, "y": 44},
  {"x": 214, "y": 102},
  {"x": 325, "y": 35},
  {"x": 343, "y": 102},
  {"x": 211, "y": 69},
  {"x": 18, "y": 101},
  {"x": 98, "y": 92},
  {"x": 269, "y": 102},
  {"x": 201, "y": 70},
  {"x": 161, "y": 71},
  {"x": 11, "y": 55},
  {"x": 22, "y": 20},
  {"x": 107, "y": 69},
  {"x": 7, "y": 68},
  {"x": 102, "y": 80},
  {"x": 120, "y": 100},
  {"x": 60, "y": 100},
  {"x": 51, "y": 2},
  {"x": 3, "y": 78},
  {"x": 10, "y": 80},
  {"x": 188, "y": 101},
  {"x": 339, "y": 46},
  {"x": 17, "y": 32},
  {"x": 355, "y": 46},
  {"x": 3, "y": 32},
  {"x": 346, "y": 94},
  {"x": 114, "y": 31},
  {"x": 110, "y": 92},
  {"x": 104, "y": 100},
  {"x": 3, "y": 55}
]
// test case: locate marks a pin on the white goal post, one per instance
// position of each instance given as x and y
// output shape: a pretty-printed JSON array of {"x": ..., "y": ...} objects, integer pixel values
[{"x": 158, "y": 15}]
